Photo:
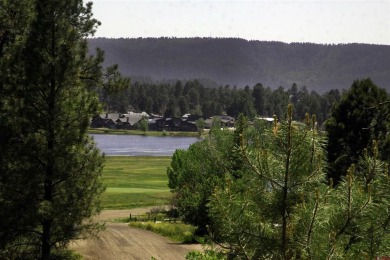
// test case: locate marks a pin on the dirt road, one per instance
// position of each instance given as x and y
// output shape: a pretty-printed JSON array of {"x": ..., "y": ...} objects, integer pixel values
[{"x": 119, "y": 241}]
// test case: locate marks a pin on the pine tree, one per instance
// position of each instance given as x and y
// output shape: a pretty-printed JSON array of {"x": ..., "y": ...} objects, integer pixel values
[
  {"x": 258, "y": 216},
  {"x": 356, "y": 215},
  {"x": 113, "y": 83},
  {"x": 200, "y": 126},
  {"x": 281, "y": 208},
  {"x": 353, "y": 124},
  {"x": 15, "y": 17},
  {"x": 50, "y": 178}
]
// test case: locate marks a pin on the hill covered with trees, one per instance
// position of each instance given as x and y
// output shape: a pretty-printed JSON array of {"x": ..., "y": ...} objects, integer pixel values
[{"x": 240, "y": 62}]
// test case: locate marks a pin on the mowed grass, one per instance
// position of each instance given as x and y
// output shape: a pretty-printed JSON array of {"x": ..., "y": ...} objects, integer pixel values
[{"x": 133, "y": 182}]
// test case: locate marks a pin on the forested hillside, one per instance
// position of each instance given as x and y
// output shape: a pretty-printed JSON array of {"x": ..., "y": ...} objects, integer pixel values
[{"x": 240, "y": 62}]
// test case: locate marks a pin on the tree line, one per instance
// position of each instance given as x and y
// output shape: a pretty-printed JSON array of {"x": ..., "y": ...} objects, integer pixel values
[{"x": 179, "y": 98}]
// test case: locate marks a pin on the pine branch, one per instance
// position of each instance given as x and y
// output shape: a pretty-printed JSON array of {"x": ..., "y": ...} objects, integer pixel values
[
  {"x": 254, "y": 168},
  {"x": 311, "y": 175},
  {"x": 378, "y": 105},
  {"x": 311, "y": 225},
  {"x": 242, "y": 247}
]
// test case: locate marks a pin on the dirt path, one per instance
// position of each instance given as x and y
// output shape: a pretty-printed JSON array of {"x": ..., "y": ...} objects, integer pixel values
[{"x": 119, "y": 241}]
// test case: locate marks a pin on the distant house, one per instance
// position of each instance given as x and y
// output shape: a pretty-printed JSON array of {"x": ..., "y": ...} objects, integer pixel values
[
  {"x": 172, "y": 124},
  {"x": 117, "y": 120},
  {"x": 157, "y": 124},
  {"x": 226, "y": 121},
  {"x": 191, "y": 118},
  {"x": 178, "y": 124},
  {"x": 267, "y": 119},
  {"x": 129, "y": 121},
  {"x": 104, "y": 121},
  {"x": 208, "y": 123},
  {"x": 123, "y": 123},
  {"x": 188, "y": 126}
]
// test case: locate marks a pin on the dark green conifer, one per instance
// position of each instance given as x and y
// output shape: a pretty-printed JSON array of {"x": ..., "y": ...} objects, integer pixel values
[
  {"x": 354, "y": 122},
  {"x": 50, "y": 168}
]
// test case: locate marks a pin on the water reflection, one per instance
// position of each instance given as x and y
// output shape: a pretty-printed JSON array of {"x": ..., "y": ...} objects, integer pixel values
[{"x": 138, "y": 145}]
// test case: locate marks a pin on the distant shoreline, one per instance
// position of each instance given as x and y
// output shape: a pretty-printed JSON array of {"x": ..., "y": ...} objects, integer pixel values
[{"x": 138, "y": 132}]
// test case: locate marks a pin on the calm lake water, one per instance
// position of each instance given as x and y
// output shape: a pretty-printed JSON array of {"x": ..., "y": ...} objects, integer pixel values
[{"x": 138, "y": 145}]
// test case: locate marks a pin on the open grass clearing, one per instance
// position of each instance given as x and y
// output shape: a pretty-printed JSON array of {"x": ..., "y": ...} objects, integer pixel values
[
  {"x": 133, "y": 190},
  {"x": 135, "y": 182}
]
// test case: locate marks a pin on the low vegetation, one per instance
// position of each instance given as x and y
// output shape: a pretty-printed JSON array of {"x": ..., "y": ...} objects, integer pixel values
[
  {"x": 179, "y": 232},
  {"x": 206, "y": 255},
  {"x": 163, "y": 222}
]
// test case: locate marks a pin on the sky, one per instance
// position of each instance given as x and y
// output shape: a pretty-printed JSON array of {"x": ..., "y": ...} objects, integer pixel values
[{"x": 315, "y": 21}]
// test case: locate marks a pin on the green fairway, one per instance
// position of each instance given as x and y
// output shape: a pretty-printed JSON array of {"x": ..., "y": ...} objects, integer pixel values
[{"x": 133, "y": 182}]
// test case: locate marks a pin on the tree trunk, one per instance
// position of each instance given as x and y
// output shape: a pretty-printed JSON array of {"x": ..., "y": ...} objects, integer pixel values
[
  {"x": 284, "y": 246},
  {"x": 46, "y": 234}
]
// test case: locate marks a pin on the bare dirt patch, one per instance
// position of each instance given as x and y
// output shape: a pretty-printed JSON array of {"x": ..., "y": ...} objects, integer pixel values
[{"x": 119, "y": 241}]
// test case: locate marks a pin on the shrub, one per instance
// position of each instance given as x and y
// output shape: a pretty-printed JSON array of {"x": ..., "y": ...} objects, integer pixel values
[
  {"x": 207, "y": 255},
  {"x": 179, "y": 232}
]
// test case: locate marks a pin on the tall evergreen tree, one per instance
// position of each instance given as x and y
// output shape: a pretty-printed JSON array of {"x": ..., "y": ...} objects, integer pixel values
[
  {"x": 15, "y": 17},
  {"x": 281, "y": 208},
  {"x": 112, "y": 83},
  {"x": 258, "y": 95},
  {"x": 50, "y": 185},
  {"x": 353, "y": 125},
  {"x": 255, "y": 216}
]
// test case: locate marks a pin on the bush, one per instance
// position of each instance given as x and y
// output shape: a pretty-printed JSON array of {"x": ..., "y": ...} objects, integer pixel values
[
  {"x": 179, "y": 232},
  {"x": 207, "y": 255}
]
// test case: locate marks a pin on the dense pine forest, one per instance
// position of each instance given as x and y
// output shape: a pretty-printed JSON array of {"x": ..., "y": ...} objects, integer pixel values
[
  {"x": 177, "y": 99},
  {"x": 238, "y": 62}
]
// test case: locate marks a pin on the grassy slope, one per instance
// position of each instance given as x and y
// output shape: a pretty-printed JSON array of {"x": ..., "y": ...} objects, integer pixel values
[{"x": 134, "y": 182}]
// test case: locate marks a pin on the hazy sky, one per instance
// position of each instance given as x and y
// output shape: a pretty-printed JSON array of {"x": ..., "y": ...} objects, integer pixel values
[{"x": 318, "y": 21}]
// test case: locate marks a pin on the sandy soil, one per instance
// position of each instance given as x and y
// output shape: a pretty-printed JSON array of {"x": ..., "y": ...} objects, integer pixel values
[{"x": 119, "y": 241}]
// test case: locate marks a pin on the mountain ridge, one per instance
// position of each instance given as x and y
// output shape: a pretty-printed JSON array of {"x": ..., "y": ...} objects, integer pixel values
[{"x": 241, "y": 62}]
